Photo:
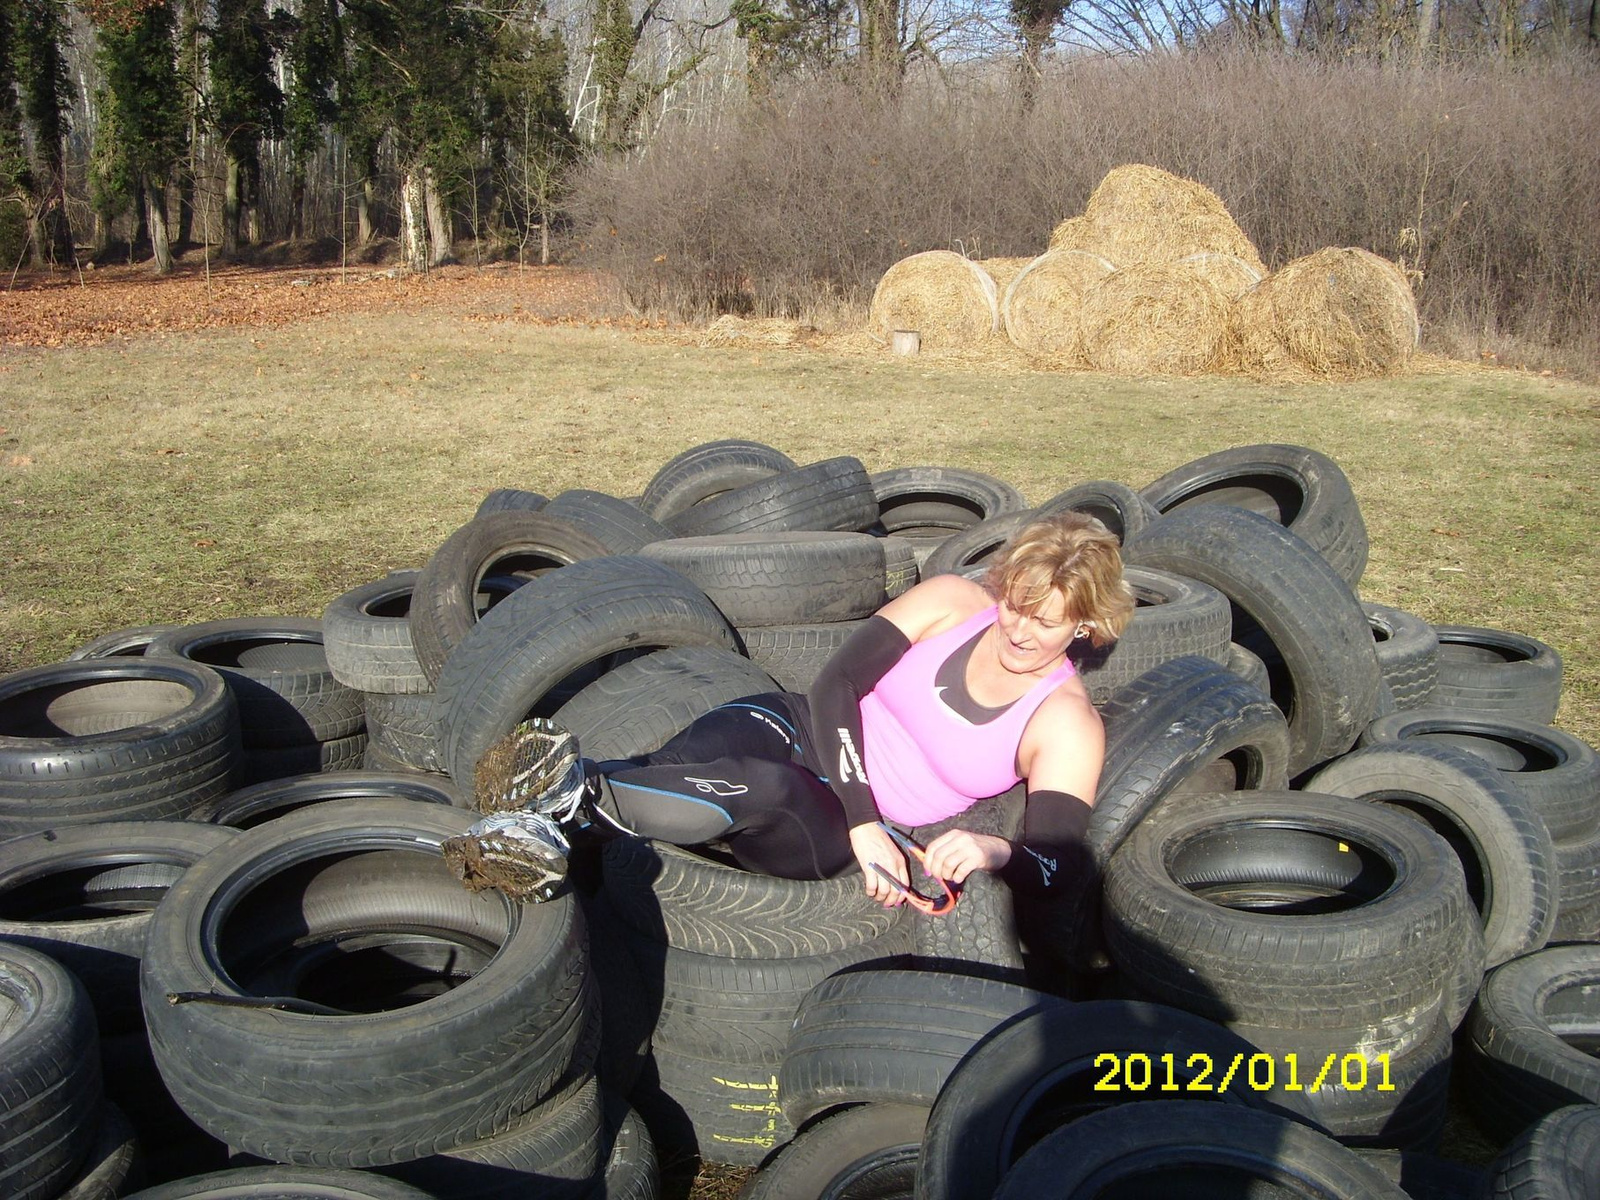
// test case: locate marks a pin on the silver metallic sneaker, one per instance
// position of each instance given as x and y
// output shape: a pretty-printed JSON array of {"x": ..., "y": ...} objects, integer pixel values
[
  {"x": 523, "y": 855},
  {"x": 535, "y": 766}
]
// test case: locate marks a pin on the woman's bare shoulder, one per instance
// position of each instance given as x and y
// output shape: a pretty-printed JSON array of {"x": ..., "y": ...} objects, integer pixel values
[{"x": 935, "y": 605}]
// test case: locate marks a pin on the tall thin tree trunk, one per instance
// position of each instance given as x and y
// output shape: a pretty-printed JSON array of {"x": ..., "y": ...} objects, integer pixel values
[
  {"x": 297, "y": 202},
  {"x": 186, "y": 210},
  {"x": 230, "y": 208},
  {"x": 364, "y": 211},
  {"x": 141, "y": 218},
  {"x": 1427, "y": 23},
  {"x": 160, "y": 245},
  {"x": 438, "y": 220},
  {"x": 413, "y": 222}
]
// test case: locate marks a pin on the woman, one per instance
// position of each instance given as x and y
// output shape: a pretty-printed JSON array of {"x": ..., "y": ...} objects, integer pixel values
[{"x": 950, "y": 693}]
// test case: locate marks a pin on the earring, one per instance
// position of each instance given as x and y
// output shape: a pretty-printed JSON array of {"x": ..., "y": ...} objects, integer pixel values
[{"x": 1082, "y": 632}]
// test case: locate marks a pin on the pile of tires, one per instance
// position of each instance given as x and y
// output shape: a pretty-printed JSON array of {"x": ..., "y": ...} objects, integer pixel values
[{"x": 1337, "y": 854}]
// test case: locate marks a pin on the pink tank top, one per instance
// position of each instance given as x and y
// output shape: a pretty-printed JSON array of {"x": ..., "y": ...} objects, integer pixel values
[{"x": 925, "y": 761}]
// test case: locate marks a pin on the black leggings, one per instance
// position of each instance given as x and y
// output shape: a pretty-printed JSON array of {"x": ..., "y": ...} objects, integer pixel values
[{"x": 745, "y": 774}]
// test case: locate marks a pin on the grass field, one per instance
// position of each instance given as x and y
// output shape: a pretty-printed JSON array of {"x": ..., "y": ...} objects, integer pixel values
[{"x": 254, "y": 471}]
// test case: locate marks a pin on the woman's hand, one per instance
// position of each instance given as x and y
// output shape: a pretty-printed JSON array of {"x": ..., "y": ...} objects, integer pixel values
[
  {"x": 955, "y": 854},
  {"x": 872, "y": 845}
]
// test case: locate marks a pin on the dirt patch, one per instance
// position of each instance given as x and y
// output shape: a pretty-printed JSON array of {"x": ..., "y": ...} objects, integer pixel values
[{"x": 105, "y": 303}]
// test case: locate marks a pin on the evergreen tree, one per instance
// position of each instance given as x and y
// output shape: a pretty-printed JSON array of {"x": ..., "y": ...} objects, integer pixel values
[
  {"x": 245, "y": 105},
  {"x": 42, "y": 75},
  {"x": 317, "y": 87}
]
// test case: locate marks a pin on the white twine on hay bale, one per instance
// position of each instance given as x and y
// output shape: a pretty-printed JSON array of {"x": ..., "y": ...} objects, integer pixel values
[
  {"x": 950, "y": 300},
  {"x": 1041, "y": 308},
  {"x": 1340, "y": 313},
  {"x": 1139, "y": 214},
  {"x": 1230, "y": 273},
  {"x": 1154, "y": 319},
  {"x": 1003, "y": 271}
]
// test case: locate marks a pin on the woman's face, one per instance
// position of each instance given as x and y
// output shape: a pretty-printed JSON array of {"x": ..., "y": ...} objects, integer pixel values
[{"x": 1036, "y": 641}]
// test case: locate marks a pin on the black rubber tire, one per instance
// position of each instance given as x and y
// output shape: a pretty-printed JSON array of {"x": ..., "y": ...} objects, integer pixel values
[
  {"x": 1325, "y": 666},
  {"x": 1493, "y": 671},
  {"x": 1173, "y": 1145},
  {"x": 449, "y": 596},
  {"x": 553, "y": 1152},
  {"x": 742, "y": 1008},
  {"x": 581, "y": 618},
  {"x": 404, "y": 730},
  {"x": 366, "y": 634},
  {"x": 113, "y": 1166},
  {"x": 620, "y": 525},
  {"x": 794, "y": 655},
  {"x": 258, "y": 765},
  {"x": 724, "y": 1112},
  {"x": 511, "y": 500},
  {"x": 1038, "y": 1072},
  {"x": 642, "y": 704},
  {"x": 1292, "y": 486},
  {"x": 834, "y": 494},
  {"x": 632, "y": 1172},
  {"x": 319, "y": 906},
  {"x": 277, "y": 669},
  {"x": 1186, "y": 727},
  {"x": 979, "y": 936},
  {"x": 1408, "y": 654},
  {"x": 868, "y": 1152},
  {"x": 1578, "y": 890},
  {"x": 1371, "y": 903},
  {"x": 890, "y": 1035},
  {"x": 1115, "y": 505},
  {"x": 781, "y": 578},
  {"x": 974, "y": 547},
  {"x": 1424, "y": 1176},
  {"x": 83, "y": 894},
  {"x": 1172, "y": 617},
  {"x": 1530, "y": 1040},
  {"x": 1504, "y": 848},
  {"x": 283, "y": 1183},
  {"x": 1557, "y": 772},
  {"x": 707, "y": 470},
  {"x": 131, "y": 642},
  {"x": 1555, "y": 1158},
  {"x": 1247, "y": 665},
  {"x": 900, "y": 570},
  {"x": 693, "y": 903},
  {"x": 925, "y": 499},
  {"x": 251, "y": 806},
  {"x": 50, "y": 1092},
  {"x": 108, "y": 739}
]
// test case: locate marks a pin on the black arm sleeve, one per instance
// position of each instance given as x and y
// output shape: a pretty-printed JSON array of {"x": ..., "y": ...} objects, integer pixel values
[
  {"x": 1053, "y": 856},
  {"x": 852, "y": 672}
]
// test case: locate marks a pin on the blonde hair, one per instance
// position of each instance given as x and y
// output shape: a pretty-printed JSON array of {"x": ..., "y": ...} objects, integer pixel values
[{"x": 1071, "y": 553}]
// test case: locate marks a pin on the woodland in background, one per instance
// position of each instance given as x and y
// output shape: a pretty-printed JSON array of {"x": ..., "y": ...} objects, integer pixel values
[{"x": 774, "y": 156}]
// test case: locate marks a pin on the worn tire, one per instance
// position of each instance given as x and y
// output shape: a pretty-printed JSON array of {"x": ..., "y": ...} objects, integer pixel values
[
  {"x": 511, "y": 500},
  {"x": 834, "y": 494},
  {"x": 1504, "y": 848},
  {"x": 131, "y": 642},
  {"x": 868, "y": 1152},
  {"x": 620, "y": 525},
  {"x": 83, "y": 894},
  {"x": 943, "y": 499},
  {"x": 282, "y": 1183},
  {"x": 1408, "y": 654},
  {"x": 277, "y": 669},
  {"x": 1557, "y": 772},
  {"x": 1300, "y": 489},
  {"x": 511, "y": 545},
  {"x": 249, "y": 807},
  {"x": 1172, "y": 617},
  {"x": 1035, "y": 1074},
  {"x": 1115, "y": 505},
  {"x": 112, "y": 739},
  {"x": 315, "y": 906},
  {"x": 693, "y": 903},
  {"x": 1378, "y": 945},
  {"x": 724, "y": 1112},
  {"x": 404, "y": 730},
  {"x": 707, "y": 470},
  {"x": 1494, "y": 671},
  {"x": 1324, "y": 664},
  {"x": 366, "y": 634},
  {"x": 578, "y": 618},
  {"x": 979, "y": 935},
  {"x": 794, "y": 655},
  {"x": 781, "y": 579},
  {"x": 975, "y": 546},
  {"x": 1555, "y": 1158}
]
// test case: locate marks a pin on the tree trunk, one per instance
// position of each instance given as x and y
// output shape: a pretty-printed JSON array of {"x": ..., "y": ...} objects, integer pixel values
[
  {"x": 186, "y": 211},
  {"x": 364, "y": 212},
  {"x": 413, "y": 222},
  {"x": 297, "y": 202},
  {"x": 882, "y": 64},
  {"x": 1427, "y": 23},
  {"x": 1594, "y": 22},
  {"x": 1035, "y": 36},
  {"x": 438, "y": 220},
  {"x": 141, "y": 219},
  {"x": 160, "y": 246},
  {"x": 230, "y": 209}
]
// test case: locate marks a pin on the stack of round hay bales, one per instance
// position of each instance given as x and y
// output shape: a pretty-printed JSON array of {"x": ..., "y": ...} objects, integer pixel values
[
  {"x": 950, "y": 300},
  {"x": 1340, "y": 313}
]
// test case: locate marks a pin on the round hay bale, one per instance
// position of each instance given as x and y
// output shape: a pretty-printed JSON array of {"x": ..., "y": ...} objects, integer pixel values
[
  {"x": 1140, "y": 214},
  {"x": 1041, "y": 307},
  {"x": 1340, "y": 313},
  {"x": 1003, "y": 271},
  {"x": 949, "y": 300},
  {"x": 1231, "y": 274},
  {"x": 1154, "y": 319}
]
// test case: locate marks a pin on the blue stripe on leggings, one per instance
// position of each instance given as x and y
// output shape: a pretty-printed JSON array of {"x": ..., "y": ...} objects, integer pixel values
[{"x": 640, "y": 787}]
